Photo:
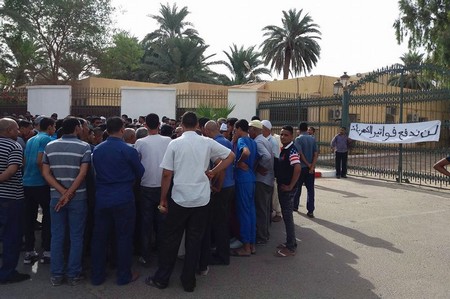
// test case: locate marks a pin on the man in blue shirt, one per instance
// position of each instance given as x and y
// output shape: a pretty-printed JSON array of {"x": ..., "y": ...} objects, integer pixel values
[
  {"x": 117, "y": 166},
  {"x": 37, "y": 192},
  {"x": 307, "y": 148},
  {"x": 246, "y": 156},
  {"x": 339, "y": 144}
]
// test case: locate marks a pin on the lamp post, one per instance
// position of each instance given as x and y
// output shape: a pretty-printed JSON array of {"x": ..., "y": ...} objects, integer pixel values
[{"x": 344, "y": 83}]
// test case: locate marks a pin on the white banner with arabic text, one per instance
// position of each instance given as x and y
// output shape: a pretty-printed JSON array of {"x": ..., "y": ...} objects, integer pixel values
[{"x": 396, "y": 133}]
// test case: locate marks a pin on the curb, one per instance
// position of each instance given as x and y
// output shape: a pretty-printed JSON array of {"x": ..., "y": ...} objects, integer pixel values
[{"x": 321, "y": 173}]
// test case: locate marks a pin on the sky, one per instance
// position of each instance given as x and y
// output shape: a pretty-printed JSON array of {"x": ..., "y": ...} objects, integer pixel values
[{"x": 357, "y": 35}]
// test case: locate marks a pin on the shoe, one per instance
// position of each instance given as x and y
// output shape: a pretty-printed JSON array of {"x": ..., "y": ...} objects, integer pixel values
[
  {"x": 30, "y": 257},
  {"x": 153, "y": 283},
  {"x": 283, "y": 245},
  {"x": 203, "y": 272},
  {"x": 215, "y": 260},
  {"x": 45, "y": 258},
  {"x": 310, "y": 215},
  {"x": 276, "y": 218},
  {"x": 236, "y": 244},
  {"x": 16, "y": 277},
  {"x": 295, "y": 209},
  {"x": 240, "y": 252},
  {"x": 73, "y": 281},
  {"x": 56, "y": 280},
  {"x": 343, "y": 176},
  {"x": 338, "y": 176},
  {"x": 145, "y": 263},
  {"x": 188, "y": 289},
  {"x": 284, "y": 253}
]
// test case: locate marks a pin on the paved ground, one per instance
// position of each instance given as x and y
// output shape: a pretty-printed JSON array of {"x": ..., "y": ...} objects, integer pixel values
[{"x": 370, "y": 239}]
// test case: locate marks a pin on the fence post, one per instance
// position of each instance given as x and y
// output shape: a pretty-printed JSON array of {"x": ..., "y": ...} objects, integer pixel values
[
  {"x": 245, "y": 101},
  {"x": 137, "y": 101},
  {"x": 48, "y": 99}
]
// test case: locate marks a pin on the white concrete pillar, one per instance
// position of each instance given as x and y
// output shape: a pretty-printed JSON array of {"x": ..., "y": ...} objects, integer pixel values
[
  {"x": 137, "y": 101},
  {"x": 245, "y": 101},
  {"x": 49, "y": 99}
]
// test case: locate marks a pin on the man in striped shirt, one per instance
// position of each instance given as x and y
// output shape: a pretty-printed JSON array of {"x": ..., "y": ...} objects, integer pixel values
[
  {"x": 66, "y": 162},
  {"x": 11, "y": 200}
]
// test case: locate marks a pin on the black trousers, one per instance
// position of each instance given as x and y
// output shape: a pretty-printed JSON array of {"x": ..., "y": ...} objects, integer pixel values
[
  {"x": 34, "y": 197},
  {"x": 193, "y": 221},
  {"x": 341, "y": 163}
]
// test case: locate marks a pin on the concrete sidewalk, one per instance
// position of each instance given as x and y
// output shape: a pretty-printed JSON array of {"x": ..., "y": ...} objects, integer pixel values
[{"x": 370, "y": 239}]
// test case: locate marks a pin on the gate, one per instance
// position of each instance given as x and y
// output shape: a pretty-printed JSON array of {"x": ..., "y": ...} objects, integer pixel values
[{"x": 397, "y": 94}]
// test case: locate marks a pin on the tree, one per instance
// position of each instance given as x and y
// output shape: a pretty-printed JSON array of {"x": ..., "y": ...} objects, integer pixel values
[
  {"x": 412, "y": 77},
  {"x": 426, "y": 23},
  {"x": 204, "y": 110},
  {"x": 20, "y": 58},
  {"x": 244, "y": 65},
  {"x": 180, "y": 60},
  {"x": 64, "y": 30},
  {"x": 292, "y": 46},
  {"x": 123, "y": 59},
  {"x": 172, "y": 24}
]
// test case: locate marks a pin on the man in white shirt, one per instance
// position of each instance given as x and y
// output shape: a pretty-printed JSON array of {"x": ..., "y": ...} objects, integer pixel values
[
  {"x": 187, "y": 160},
  {"x": 151, "y": 149}
]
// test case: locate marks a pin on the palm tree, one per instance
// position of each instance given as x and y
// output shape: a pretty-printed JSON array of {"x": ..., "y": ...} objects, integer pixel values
[
  {"x": 244, "y": 65},
  {"x": 293, "y": 45},
  {"x": 412, "y": 77},
  {"x": 172, "y": 24},
  {"x": 180, "y": 60}
]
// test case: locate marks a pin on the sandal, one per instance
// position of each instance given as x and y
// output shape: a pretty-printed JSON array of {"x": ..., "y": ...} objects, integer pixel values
[
  {"x": 253, "y": 249},
  {"x": 284, "y": 253},
  {"x": 240, "y": 252},
  {"x": 281, "y": 246}
]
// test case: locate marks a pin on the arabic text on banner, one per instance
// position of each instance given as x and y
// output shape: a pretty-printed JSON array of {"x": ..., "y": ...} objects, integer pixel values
[{"x": 396, "y": 133}]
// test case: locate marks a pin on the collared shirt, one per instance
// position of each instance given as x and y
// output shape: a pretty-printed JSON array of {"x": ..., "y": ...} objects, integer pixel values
[
  {"x": 32, "y": 175},
  {"x": 117, "y": 166},
  {"x": 285, "y": 164},
  {"x": 229, "y": 177},
  {"x": 188, "y": 157},
  {"x": 11, "y": 154},
  {"x": 265, "y": 160},
  {"x": 64, "y": 157},
  {"x": 306, "y": 145},
  {"x": 151, "y": 149},
  {"x": 340, "y": 142}
]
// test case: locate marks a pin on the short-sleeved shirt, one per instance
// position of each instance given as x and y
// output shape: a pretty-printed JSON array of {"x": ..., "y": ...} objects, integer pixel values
[
  {"x": 32, "y": 175},
  {"x": 188, "y": 157},
  {"x": 285, "y": 164},
  {"x": 11, "y": 154},
  {"x": 246, "y": 176},
  {"x": 340, "y": 142},
  {"x": 151, "y": 150},
  {"x": 306, "y": 145},
  {"x": 64, "y": 157}
]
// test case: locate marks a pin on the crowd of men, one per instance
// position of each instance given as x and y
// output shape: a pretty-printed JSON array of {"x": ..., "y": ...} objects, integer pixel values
[{"x": 144, "y": 186}]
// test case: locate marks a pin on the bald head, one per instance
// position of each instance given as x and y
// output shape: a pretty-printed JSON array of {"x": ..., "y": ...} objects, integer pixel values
[
  {"x": 9, "y": 128},
  {"x": 211, "y": 128}
]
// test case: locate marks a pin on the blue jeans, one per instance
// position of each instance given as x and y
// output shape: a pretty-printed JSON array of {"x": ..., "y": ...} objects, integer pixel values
[
  {"x": 307, "y": 179},
  {"x": 286, "y": 203},
  {"x": 121, "y": 218},
  {"x": 11, "y": 212},
  {"x": 151, "y": 219},
  {"x": 72, "y": 215}
]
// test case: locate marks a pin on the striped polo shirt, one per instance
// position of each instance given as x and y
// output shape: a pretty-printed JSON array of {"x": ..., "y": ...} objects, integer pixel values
[
  {"x": 65, "y": 156},
  {"x": 11, "y": 154}
]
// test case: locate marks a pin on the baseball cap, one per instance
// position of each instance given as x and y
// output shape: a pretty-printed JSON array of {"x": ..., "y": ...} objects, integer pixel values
[{"x": 255, "y": 123}]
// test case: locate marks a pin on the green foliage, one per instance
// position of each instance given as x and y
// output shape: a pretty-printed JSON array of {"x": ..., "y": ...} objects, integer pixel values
[
  {"x": 66, "y": 31},
  {"x": 214, "y": 113},
  {"x": 426, "y": 23},
  {"x": 292, "y": 47},
  {"x": 413, "y": 78},
  {"x": 122, "y": 59},
  {"x": 238, "y": 60}
]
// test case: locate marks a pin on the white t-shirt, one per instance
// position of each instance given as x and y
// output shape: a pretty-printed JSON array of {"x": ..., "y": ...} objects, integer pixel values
[
  {"x": 151, "y": 149},
  {"x": 188, "y": 157}
]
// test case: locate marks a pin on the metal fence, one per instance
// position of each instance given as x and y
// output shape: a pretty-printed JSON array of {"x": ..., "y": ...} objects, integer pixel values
[
  {"x": 393, "y": 95},
  {"x": 95, "y": 101},
  {"x": 207, "y": 103},
  {"x": 13, "y": 102}
]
